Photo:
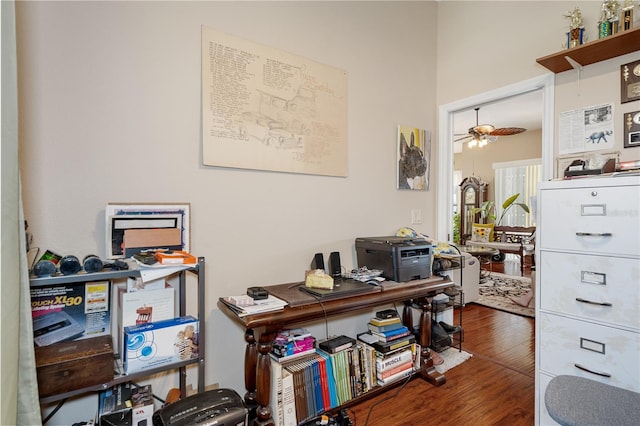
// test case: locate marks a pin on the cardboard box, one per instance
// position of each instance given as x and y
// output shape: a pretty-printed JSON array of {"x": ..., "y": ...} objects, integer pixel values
[
  {"x": 144, "y": 306},
  {"x": 70, "y": 312},
  {"x": 160, "y": 343},
  {"x": 66, "y": 366},
  {"x": 126, "y": 404}
]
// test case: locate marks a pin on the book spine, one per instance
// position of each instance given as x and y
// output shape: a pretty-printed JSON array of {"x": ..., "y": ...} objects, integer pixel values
[
  {"x": 288, "y": 399},
  {"x": 392, "y": 337},
  {"x": 381, "y": 322},
  {"x": 407, "y": 365},
  {"x": 352, "y": 372},
  {"x": 324, "y": 384},
  {"x": 390, "y": 362},
  {"x": 342, "y": 377},
  {"x": 276, "y": 392},
  {"x": 310, "y": 389},
  {"x": 300, "y": 393},
  {"x": 395, "y": 377},
  {"x": 388, "y": 347},
  {"x": 383, "y": 328}
]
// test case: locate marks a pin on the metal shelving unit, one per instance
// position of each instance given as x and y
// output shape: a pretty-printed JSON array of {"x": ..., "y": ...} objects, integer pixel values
[
  {"x": 456, "y": 295},
  {"x": 198, "y": 269}
]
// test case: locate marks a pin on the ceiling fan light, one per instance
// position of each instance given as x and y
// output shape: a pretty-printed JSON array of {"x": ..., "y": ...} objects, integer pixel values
[
  {"x": 483, "y": 142},
  {"x": 472, "y": 143}
]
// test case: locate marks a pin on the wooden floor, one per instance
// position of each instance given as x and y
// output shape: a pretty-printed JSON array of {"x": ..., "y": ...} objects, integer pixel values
[{"x": 494, "y": 387}]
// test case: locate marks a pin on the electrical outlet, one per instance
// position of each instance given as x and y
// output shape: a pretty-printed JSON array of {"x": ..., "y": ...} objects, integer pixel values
[{"x": 416, "y": 216}]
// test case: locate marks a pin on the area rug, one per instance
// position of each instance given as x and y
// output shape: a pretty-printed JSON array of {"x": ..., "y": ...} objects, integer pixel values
[
  {"x": 452, "y": 358},
  {"x": 495, "y": 289}
]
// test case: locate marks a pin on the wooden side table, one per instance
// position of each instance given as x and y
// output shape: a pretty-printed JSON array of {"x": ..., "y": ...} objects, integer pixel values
[{"x": 260, "y": 329}]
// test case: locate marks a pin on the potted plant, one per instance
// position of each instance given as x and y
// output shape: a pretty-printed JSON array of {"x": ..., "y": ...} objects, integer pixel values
[{"x": 487, "y": 209}]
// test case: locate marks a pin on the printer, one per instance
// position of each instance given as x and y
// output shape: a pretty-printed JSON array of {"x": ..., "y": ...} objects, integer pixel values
[{"x": 399, "y": 258}]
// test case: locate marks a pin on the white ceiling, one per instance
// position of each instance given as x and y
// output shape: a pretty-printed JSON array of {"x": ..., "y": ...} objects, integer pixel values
[{"x": 519, "y": 111}]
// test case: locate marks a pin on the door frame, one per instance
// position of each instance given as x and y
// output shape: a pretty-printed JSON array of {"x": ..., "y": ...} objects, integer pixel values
[{"x": 445, "y": 146}]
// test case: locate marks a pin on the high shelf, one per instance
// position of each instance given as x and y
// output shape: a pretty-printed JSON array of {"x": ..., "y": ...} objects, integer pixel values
[
  {"x": 198, "y": 269},
  {"x": 593, "y": 51},
  {"x": 260, "y": 330}
]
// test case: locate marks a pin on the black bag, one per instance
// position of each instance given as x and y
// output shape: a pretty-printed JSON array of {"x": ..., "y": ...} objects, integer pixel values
[{"x": 440, "y": 340}]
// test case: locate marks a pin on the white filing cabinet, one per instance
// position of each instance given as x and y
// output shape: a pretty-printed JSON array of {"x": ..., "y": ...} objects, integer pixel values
[{"x": 588, "y": 283}]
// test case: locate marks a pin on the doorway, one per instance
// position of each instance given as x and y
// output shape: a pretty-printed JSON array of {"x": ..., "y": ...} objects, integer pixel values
[{"x": 543, "y": 83}]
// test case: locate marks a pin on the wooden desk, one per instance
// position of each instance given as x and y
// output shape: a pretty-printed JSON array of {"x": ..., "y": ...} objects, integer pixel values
[{"x": 260, "y": 329}]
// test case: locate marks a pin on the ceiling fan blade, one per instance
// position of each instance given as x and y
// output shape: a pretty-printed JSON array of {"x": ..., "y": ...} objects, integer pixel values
[
  {"x": 463, "y": 138},
  {"x": 507, "y": 131}
]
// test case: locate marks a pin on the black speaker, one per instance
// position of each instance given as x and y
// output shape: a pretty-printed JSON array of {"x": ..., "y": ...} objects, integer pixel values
[
  {"x": 69, "y": 265},
  {"x": 318, "y": 261},
  {"x": 334, "y": 264},
  {"x": 44, "y": 268},
  {"x": 92, "y": 263}
]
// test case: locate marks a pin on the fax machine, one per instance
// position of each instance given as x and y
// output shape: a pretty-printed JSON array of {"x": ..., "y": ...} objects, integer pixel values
[{"x": 399, "y": 258}]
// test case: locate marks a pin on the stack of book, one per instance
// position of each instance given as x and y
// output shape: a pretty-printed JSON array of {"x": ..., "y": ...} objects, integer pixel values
[
  {"x": 396, "y": 364},
  {"x": 293, "y": 343},
  {"x": 395, "y": 349},
  {"x": 244, "y": 305},
  {"x": 387, "y": 334}
]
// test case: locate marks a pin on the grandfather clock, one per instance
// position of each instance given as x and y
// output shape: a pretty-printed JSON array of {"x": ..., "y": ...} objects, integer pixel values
[{"x": 473, "y": 192}]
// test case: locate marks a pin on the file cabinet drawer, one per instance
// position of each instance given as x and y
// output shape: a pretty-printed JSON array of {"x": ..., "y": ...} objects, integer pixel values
[
  {"x": 569, "y": 346},
  {"x": 600, "y": 219},
  {"x": 600, "y": 288}
]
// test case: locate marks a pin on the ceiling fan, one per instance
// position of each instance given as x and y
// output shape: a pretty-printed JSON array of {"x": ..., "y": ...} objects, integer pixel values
[{"x": 482, "y": 134}]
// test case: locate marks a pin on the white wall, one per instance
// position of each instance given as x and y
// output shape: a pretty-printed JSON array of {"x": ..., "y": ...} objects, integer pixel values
[
  {"x": 110, "y": 99},
  {"x": 485, "y": 45},
  {"x": 110, "y": 112}
]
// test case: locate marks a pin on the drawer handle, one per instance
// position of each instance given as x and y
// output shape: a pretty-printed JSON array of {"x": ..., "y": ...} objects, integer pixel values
[
  {"x": 580, "y": 299},
  {"x": 593, "y": 234},
  {"x": 597, "y": 373}
]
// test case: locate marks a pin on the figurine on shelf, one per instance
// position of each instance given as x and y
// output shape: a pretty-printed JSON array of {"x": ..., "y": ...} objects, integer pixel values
[
  {"x": 609, "y": 18},
  {"x": 575, "y": 36},
  {"x": 627, "y": 15}
]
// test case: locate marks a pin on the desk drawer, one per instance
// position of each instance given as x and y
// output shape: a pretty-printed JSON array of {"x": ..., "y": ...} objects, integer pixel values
[
  {"x": 565, "y": 343},
  {"x": 603, "y": 220},
  {"x": 566, "y": 277}
]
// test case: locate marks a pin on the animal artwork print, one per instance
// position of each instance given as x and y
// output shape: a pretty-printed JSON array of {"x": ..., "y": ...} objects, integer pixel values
[
  {"x": 412, "y": 163},
  {"x": 596, "y": 137}
]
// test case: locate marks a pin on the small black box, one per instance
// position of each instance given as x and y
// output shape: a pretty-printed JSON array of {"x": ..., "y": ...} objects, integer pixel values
[
  {"x": 387, "y": 313},
  {"x": 257, "y": 293}
]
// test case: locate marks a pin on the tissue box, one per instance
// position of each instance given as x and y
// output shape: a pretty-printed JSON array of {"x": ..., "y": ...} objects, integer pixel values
[
  {"x": 317, "y": 278},
  {"x": 155, "y": 344}
]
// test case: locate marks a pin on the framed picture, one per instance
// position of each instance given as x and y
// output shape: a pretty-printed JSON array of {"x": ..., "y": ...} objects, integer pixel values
[
  {"x": 121, "y": 217},
  {"x": 630, "y": 82},
  {"x": 414, "y": 158},
  {"x": 632, "y": 129}
]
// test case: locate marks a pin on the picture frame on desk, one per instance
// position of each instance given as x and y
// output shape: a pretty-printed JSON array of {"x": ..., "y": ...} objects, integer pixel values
[{"x": 630, "y": 82}]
